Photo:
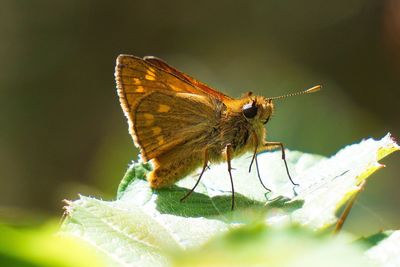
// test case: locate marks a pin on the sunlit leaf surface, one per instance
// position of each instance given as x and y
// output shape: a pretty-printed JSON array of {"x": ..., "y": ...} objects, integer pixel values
[
  {"x": 142, "y": 226},
  {"x": 386, "y": 252}
]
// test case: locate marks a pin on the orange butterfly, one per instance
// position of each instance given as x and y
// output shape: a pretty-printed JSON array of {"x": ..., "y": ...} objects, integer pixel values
[{"x": 181, "y": 124}]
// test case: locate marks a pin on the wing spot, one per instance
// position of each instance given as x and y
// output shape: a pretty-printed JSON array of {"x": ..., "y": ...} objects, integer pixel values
[
  {"x": 149, "y": 77},
  {"x": 152, "y": 69},
  {"x": 151, "y": 72},
  {"x": 160, "y": 140},
  {"x": 156, "y": 130},
  {"x": 136, "y": 81},
  {"x": 139, "y": 89},
  {"x": 175, "y": 88},
  {"x": 163, "y": 108},
  {"x": 149, "y": 119}
]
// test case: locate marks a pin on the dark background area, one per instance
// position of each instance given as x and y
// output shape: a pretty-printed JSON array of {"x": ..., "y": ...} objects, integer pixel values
[{"x": 62, "y": 129}]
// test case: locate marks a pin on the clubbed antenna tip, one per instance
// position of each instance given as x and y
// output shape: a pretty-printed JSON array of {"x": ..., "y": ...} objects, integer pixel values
[{"x": 313, "y": 89}]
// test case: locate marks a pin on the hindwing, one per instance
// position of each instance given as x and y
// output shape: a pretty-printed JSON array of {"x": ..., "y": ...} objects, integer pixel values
[{"x": 163, "y": 120}]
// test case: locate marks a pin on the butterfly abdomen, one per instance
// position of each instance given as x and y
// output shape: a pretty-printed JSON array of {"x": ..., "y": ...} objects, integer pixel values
[{"x": 166, "y": 171}]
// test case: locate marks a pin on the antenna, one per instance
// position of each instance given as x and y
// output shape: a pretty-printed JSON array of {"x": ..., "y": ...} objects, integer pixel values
[{"x": 308, "y": 91}]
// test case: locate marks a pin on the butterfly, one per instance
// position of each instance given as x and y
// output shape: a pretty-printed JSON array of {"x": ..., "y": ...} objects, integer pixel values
[{"x": 181, "y": 124}]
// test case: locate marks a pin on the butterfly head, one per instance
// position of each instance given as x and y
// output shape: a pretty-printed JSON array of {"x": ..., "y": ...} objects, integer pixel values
[{"x": 258, "y": 109}]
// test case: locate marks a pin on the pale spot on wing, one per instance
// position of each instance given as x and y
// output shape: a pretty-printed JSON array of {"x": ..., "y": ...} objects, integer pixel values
[
  {"x": 150, "y": 74},
  {"x": 163, "y": 108},
  {"x": 136, "y": 81},
  {"x": 156, "y": 130},
  {"x": 149, "y": 77},
  {"x": 139, "y": 89},
  {"x": 175, "y": 88},
  {"x": 160, "y": 140},
  {"x": 149, "y": 119}
]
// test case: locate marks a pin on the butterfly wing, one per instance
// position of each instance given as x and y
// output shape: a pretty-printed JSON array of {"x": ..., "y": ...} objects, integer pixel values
[
  {"x": 184, "y": 77},
  {"x": 163, "y": 121},
  {"x": 135, "y": 78},
  {"x": 163, "y": 110}
]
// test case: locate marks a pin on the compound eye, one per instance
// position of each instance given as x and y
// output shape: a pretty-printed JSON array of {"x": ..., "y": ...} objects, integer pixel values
[{"x": 250, "y": 110}]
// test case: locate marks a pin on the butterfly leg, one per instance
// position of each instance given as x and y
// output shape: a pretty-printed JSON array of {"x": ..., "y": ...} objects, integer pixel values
[
  {"x": 228, "y": 151},
  {"x": 272, "y": 145},
  {"x": 255, "y": 150},
  {"x": 254, "y": 159},
  {"x": 205, "y": 166}
]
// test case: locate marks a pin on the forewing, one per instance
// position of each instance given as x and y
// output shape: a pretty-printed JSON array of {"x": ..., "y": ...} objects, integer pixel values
[
  {"x": 136, "y": 77},
  {"x": 161, "y": 121},
  {"x": 161, "y": 64}
]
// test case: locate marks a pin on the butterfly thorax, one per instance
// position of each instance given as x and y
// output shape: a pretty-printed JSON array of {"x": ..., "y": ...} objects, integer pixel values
[{"x": 241, "y": 125}]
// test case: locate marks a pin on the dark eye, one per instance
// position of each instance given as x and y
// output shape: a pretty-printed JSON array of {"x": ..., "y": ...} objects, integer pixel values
[{"x": 249, "y": 110}]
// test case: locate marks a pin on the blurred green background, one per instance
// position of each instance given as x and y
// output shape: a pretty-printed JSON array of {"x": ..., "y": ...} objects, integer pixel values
[{"x": 62, "y": 129}]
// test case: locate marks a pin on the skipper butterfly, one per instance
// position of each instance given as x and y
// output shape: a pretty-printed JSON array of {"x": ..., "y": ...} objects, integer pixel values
[{"x": 180, "y": 123}]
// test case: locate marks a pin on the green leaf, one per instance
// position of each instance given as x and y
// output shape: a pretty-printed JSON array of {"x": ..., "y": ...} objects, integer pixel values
[
  {"x": 386, "y": 252},
  {"x": 258, "y": 245},
  {"x": 142, "y": 225},
  {"x": 42, "y": 247},
  {"x": 374, "y": 239},
  {"x": 329, "y": 183}
]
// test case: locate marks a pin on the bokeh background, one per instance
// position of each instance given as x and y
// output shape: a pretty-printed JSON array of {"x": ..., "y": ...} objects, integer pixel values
[{"x": 62, "y": 131}]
